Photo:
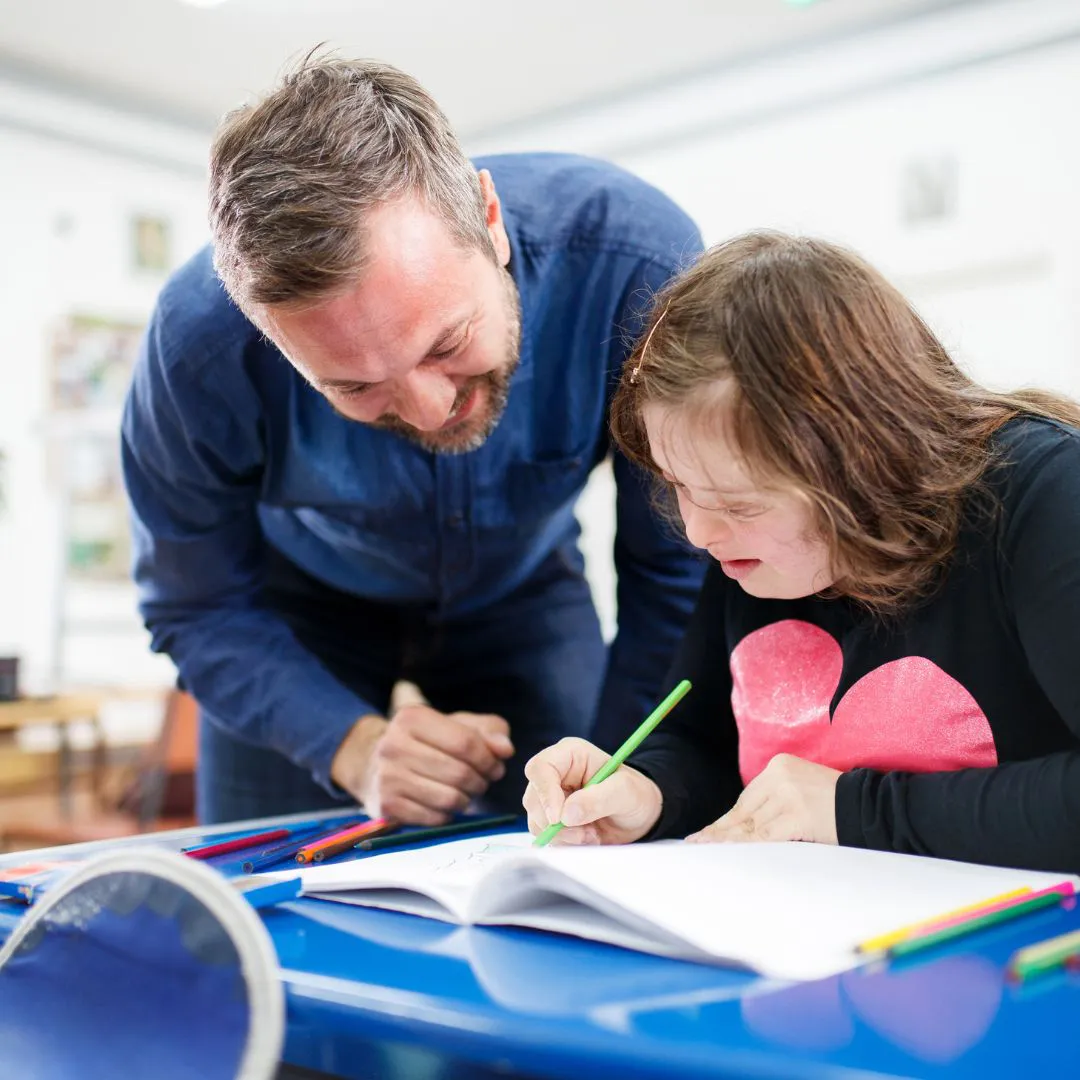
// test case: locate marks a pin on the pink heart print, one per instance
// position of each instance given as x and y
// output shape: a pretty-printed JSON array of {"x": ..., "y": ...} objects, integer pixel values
[{"x": 907, "y": 714}]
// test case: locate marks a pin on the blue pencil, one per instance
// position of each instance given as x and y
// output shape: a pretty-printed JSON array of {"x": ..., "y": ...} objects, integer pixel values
[
  {"x": 287, "y": 849},
  {"x": 25, "y": 891}
]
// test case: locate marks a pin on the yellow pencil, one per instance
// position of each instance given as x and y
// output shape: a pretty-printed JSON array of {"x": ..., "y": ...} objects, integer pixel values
[{"x": 886, "y": 941}]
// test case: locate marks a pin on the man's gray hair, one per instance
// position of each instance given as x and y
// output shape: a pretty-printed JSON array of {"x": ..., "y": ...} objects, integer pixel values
[{"x": 293, "y": 176}]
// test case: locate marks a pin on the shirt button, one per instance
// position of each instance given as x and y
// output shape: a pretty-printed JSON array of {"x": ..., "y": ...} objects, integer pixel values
[{"x": 456, "y": 521}]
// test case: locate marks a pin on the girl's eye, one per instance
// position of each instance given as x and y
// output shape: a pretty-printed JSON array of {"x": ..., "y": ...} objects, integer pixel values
[
  {"x": 743, "y": 513},
  {"x": 737, "y": 511}
]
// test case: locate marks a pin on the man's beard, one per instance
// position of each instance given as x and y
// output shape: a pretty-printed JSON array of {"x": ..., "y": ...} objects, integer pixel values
[{"x": 473, "y": 432}]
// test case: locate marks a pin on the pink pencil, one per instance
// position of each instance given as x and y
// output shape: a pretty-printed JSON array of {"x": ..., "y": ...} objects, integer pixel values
[
  {"x": 239, "y": 844},
  {"x": 1064, "y": 888}
]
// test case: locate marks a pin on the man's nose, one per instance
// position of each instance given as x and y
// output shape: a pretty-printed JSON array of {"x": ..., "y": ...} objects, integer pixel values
[{"x": 424, "y": 399}]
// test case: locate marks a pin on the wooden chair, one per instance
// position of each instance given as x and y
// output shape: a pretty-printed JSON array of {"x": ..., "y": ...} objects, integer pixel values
[{"x": 159, "y": 793}]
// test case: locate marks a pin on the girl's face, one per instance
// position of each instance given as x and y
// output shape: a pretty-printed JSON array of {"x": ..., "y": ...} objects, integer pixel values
[{"x": 762, "y": 538}]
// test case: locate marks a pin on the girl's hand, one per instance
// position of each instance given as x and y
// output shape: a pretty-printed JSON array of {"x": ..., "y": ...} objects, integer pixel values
[
  {"x": 790, "y": 799},
  {"x": 618, "y": 810}
]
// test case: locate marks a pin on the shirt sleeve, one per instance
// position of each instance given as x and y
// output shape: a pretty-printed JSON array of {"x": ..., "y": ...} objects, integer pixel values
[
  {"x": 658, "y": 573},
  {"x": 193, "y": 462},
  {"x": 1020, "y": 813},
  {"x": 693, "y": 755}
]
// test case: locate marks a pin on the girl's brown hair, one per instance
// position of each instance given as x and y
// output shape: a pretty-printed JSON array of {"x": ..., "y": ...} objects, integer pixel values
[{"x": 834, "y": 386}]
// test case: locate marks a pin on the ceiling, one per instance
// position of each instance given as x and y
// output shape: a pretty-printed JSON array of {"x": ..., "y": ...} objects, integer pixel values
[{"x": 490, "y": 65}]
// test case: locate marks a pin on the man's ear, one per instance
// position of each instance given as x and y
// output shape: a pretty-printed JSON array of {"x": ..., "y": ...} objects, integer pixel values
[{"x": 493, "y": 212}]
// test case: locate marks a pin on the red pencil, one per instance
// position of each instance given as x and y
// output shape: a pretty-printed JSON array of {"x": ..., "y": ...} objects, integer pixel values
[{"x": 239, "y": 844}]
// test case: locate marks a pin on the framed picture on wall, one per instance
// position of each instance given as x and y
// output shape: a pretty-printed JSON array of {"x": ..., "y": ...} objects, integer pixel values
[
  {"x": 98, "y": 538},
  {"x": 151, "y": 243},
  {"x": 91, "y": 361}
]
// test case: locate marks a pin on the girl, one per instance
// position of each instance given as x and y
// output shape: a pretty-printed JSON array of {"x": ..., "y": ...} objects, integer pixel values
[{"x": 884, "y": 653}]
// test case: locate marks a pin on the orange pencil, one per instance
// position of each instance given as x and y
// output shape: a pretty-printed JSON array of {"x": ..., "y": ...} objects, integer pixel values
[{"x": 341, "y": 841}]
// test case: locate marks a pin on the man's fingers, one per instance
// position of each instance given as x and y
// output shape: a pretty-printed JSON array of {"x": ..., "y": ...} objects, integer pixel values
[
  {"x": 409, "y": 812},
  {"x": 453, "y": 738},
  {"x": 494, "y": 730},
  {"x": 404, "y": 694},
  {"x": 433, "y": 797},
  {"x": 412, "y": 757}
]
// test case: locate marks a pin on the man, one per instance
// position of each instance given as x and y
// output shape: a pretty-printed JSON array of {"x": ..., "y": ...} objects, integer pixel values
[{"x": 358, "y": 462}]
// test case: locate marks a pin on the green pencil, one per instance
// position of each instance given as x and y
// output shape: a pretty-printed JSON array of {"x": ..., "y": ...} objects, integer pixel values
[
  {"x": 980, "y": 922},
  {"x": 1046, "y": 956},
  {"x": 437, "y": 832},
  {"x": 623, "y": 752}
]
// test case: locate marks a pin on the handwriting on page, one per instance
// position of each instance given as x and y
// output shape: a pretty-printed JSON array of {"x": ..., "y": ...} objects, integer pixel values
[
  {"x": 473, "y": 860},
  {"x": 461, "y": 862}
]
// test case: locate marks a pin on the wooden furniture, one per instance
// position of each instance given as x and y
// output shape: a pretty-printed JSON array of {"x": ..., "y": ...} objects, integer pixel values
[
  {"x": 60, "y": 711},
  {"x": 160, "y": 794}
]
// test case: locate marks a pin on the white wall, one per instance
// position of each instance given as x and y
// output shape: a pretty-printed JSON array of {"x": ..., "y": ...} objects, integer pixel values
[
  {"x": 998, "y": 276},
  {"x": 65, "y": 248}
]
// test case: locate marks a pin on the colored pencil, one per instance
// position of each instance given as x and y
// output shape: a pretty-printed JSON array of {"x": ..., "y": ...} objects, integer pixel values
[
  {"x": 286, "y": 849},
  {"x": 1065, "y": 889},
  {"x": 883, "y": 941},
  {"x": 623, "y": 752},
  {"x": 1011, "y": 909},
  {"x": 208, "y": 851},
  {"x": 437, "y": 832},
  {"x": 340, "y": 841},
  {"x": 25, "y": 892},
  {"x": 347, "y": 843},
  {"x": 1045, "y": 956},
  {"x": 28, "y": 882}
]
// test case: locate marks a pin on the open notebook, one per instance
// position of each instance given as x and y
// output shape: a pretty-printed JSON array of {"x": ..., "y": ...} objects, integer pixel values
[{"x": 792, "y": 911}]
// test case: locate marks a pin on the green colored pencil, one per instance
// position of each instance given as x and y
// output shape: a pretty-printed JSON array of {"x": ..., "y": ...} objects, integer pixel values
[
  {"x": 437, "y": 832},
  {"x": 980, "y": 922},
  {"x": 1046, "y": 956},
  {"x": 623, "y": 752}
]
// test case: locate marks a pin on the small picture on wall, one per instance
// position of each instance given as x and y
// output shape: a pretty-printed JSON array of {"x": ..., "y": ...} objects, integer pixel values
[
  {"x": 98, "y": 536},
  {"x": 92, "y": 360},
  {"x": 150, "y": 240}
]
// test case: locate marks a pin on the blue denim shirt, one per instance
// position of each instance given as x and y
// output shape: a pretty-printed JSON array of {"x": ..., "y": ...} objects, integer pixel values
[{"x": 226, "y": 448}]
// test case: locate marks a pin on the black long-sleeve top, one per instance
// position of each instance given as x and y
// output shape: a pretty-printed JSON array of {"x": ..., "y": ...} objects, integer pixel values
[{"x": 956, "y": 723}]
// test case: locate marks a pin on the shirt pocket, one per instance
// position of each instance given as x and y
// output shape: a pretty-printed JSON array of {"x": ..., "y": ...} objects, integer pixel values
[{"x": 537, "y": 490}]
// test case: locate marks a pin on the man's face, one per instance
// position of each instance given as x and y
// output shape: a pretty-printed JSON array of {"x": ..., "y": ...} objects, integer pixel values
[{"x": 426, "y": 344}]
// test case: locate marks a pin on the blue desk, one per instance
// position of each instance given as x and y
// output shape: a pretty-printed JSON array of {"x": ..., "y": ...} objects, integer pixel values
[{"x": 377, "y": 994}]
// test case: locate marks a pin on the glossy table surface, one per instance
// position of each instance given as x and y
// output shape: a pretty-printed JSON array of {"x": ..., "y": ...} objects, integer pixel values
[{"x": 373, "y": 994}]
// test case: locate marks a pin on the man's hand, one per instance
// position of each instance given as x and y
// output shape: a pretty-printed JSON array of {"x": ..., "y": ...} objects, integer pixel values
[
  {"x": 790, "y": 799},
  {"x": 423, "y": 765}
]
